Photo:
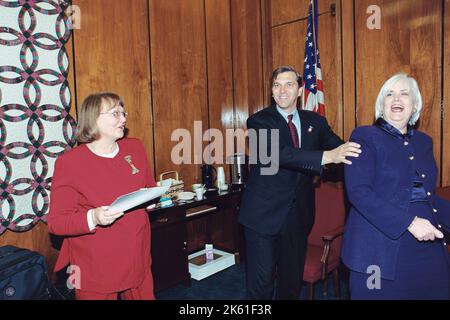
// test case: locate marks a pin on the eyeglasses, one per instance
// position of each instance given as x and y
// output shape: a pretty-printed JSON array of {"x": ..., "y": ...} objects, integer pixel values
[{"x": 116, "y": 114}]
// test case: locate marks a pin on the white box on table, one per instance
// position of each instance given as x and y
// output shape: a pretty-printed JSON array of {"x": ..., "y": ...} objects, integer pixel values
[{"x": 222, "y": 260}]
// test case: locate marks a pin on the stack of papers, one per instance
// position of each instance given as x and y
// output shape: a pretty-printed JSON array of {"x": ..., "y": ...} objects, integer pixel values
[{"x": 133, "y": 199}]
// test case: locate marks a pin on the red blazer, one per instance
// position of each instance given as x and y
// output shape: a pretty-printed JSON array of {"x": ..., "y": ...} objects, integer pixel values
[{"x": 112, "y": 258}]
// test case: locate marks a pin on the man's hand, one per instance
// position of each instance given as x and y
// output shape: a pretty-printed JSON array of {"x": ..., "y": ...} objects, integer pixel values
[
  {"x": 339, "y": 154},
  {"x": 423, "y": 230}
]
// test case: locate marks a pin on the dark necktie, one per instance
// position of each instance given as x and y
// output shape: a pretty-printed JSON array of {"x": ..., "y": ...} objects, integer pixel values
[{"x": 293, "y": 130}]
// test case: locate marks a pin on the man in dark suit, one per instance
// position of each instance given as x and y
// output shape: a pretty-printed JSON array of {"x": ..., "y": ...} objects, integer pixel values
[{"x": 277, "y": 210}]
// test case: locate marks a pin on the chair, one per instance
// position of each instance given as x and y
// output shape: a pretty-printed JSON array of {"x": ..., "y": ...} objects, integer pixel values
[
  {"x": 324, "y": 241},
  {"x": 443, "y": 192}
]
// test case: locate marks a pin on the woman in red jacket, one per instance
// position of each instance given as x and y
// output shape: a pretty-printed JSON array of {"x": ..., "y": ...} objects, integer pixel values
[{"x": 109, "y": 252}]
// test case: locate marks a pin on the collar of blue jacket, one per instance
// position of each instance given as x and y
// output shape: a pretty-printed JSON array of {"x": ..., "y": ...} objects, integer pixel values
[{"x": 390, "y": 129}]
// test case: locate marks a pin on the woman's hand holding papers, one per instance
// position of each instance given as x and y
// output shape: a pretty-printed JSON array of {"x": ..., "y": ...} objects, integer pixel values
[{"x": 103, "y": 217}]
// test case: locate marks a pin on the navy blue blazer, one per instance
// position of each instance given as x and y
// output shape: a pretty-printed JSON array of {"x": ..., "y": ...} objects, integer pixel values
[
  {"x": 379, "y": 186},
  {"x": 268, "y": 199}
]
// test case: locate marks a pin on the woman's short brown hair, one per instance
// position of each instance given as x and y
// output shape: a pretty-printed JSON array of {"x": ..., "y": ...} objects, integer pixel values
[{"x": 91, "y": 107}]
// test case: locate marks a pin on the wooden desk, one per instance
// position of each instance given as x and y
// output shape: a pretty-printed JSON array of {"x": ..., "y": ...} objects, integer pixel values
[{"x": 175, "y": 236}]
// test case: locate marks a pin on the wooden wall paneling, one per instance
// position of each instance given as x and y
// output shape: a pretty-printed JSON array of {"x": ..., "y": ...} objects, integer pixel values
[
  {"x": 446, "y": 101},
  {"x": 71, "y": 77},
  {"x": 426, "y": 45},
  {"x": 410, "y": 41},
  {"x": 288, "y": 41},
  {"x": 178, "y": 55},
  {"x": 331, "y": 61},
  {"x": 220, "y": 71},
  {"x": 285, "y": 11},
  {"x": 266, "y": 19},
  {"x": 378, "y": 56},
  {"x": 288, "y": 48},
  {"x": 112, "y": 54},
  {"x": 288, "y": 45},
  {"x": 247, "y": 59},
  {"x": 348, "y": 67}
]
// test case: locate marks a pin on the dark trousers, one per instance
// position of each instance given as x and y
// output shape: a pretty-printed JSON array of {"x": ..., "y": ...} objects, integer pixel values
[{"x": 275, "y": 262}]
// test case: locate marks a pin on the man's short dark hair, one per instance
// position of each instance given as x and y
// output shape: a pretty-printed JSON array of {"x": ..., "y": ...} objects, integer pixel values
[{"x": 283, "y": 69}]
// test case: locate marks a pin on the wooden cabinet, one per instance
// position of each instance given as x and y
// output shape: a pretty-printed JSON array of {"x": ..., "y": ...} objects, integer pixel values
[
  {"x": 168, "y": 250},
  {"x": 176, "y": 235}
]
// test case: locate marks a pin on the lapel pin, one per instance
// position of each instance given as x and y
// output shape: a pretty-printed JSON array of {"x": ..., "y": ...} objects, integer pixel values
[{"x": 310, "y": 129}]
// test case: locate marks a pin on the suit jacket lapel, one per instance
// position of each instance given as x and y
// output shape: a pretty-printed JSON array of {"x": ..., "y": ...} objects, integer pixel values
[
  {"x": 282, "y": 125},
  {"x": 306, "y": 127}
]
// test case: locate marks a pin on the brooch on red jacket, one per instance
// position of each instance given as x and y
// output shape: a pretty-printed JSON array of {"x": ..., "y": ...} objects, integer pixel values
[{"x": 134, "y": 170}]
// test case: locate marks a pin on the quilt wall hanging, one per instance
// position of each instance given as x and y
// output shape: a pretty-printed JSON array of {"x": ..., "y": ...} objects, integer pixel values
[{"x": 35, "y": 125}]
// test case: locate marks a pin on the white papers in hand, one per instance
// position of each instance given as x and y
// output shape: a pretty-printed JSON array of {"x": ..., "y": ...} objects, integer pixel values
[{"x": 133, "y": 199}]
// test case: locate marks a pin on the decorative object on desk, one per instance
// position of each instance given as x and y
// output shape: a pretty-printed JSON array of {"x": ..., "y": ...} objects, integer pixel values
[
  {"x": 185, "y": 195},
  {"x": 220, "y": 177},
  {"x": 239, "y": 168},
  {"x": 207, "y": 175},
  {"x": 221, "y": 183},
  {"x": 200, "y": 268},
  {"x": 199, "y": 192},
  {"x": 176, "y": 185},
  {"x": 165, "y": 203},
  {"x": 133, "y": 199},
  {"x": 197, "y": 185},
  {"x": 222, "y": 187},
  {"x": 199, "y": 189},
  {"x": 209, "y": 252}
]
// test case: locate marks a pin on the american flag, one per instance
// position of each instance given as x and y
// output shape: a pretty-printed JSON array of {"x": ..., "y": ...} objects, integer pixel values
[{"x": 313, "y": 98}]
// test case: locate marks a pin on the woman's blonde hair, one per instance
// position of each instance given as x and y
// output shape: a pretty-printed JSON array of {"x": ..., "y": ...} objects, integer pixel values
[{"x": 91, "y": 107}]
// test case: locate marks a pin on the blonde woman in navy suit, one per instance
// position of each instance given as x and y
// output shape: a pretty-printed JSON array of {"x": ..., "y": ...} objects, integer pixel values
[{"x": 393, "y": 240}]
